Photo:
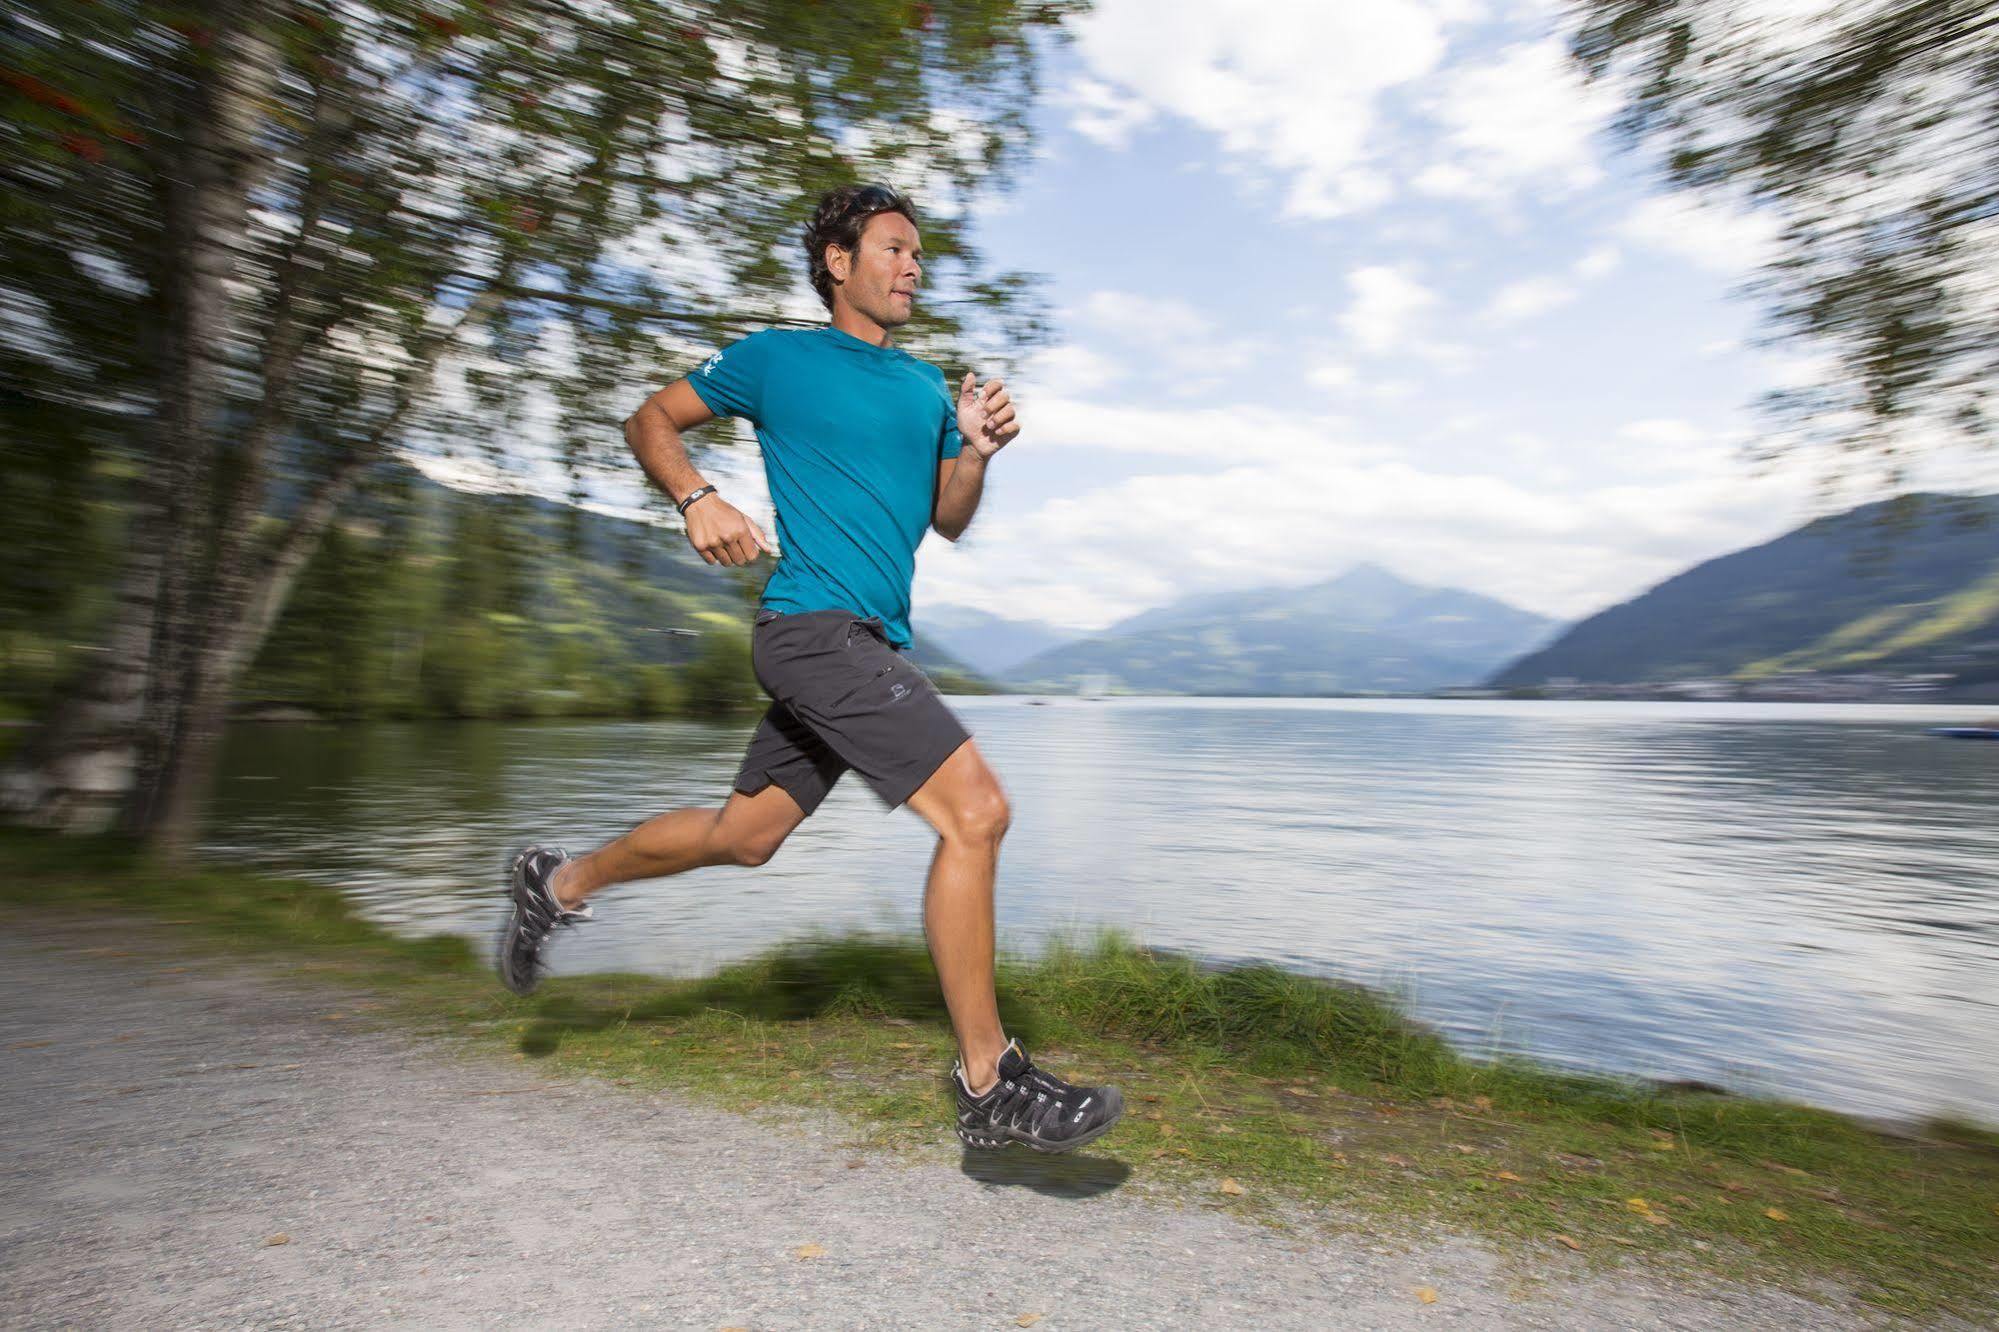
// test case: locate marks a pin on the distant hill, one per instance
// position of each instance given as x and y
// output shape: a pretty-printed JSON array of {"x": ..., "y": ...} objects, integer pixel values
[
  {"x": 988, "y": 643},
  {"x": 1367, "y": 631},
  {"x": 1901, "y": 585},
  {"x": 642, "y": 581}
]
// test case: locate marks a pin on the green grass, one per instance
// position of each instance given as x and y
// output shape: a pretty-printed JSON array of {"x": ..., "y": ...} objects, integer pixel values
[{"x": 1300, "y": 1091}]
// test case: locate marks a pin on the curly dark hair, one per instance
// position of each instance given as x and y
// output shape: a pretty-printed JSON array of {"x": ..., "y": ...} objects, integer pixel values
[{"x": 838, "y": 220}]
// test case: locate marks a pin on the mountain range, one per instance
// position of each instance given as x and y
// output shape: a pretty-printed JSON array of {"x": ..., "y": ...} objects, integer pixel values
[
  {"x": 1367, "y": 631},
  {"x": 1904, "y": 585}
]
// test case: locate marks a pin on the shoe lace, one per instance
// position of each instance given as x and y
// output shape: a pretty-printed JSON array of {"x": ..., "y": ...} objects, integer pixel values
[
  {"x": 545, "y": 917},
  {"x": 1028, "y": 1101}
]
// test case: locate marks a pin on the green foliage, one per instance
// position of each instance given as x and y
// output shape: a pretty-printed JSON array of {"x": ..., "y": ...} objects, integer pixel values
[
  {"x": 444, "y": 604},
  {"x": 1868, "y": 132},
  {"x": 247, "y": 251}
]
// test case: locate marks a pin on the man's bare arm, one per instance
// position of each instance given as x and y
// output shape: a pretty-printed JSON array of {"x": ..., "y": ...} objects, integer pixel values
[
  {"x": 715, "y": 527},
  {"x": 961, "y": 481},
  {"x": 986, "y": 425}
]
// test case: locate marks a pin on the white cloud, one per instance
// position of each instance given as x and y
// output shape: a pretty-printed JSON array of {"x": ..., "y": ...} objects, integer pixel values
[
  {"x": 1332, "y": 375},
  {"x": 1300, "y": 513},
  {"x": 1291, "y": 90},
  {"x": 1598, "y": 263},
  {"x": 1711, "y": 236},
  {"x": 1233, "y": 432},
  {"x": 1068, "y": 368},
  {"x": 1166, "y": 333},
  {"x": 1519, "y": 119},
  {"x": 1101, "y": 113},
  {"x": 1517, "y": 301},
  {"x": 1387, "y": 303}
]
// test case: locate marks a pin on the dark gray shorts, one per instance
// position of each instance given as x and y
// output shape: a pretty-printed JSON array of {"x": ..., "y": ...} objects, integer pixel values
[{"x": 842, "y": 698}]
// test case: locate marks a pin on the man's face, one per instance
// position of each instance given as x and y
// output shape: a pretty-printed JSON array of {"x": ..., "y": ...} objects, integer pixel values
[{"x": 882, "y": 275}]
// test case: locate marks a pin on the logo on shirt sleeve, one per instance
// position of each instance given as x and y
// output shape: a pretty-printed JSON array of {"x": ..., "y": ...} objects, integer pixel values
[{"x": 708, "y": 366}]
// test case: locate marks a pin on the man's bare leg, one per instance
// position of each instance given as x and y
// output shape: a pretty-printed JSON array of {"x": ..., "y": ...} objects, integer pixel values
[
  {"x": 964, "y": 803},
  {"x": 746, "y": 831}
]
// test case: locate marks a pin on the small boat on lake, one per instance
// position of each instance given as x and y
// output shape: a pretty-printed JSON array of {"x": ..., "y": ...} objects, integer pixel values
[{"x": 1984, "y": 731}]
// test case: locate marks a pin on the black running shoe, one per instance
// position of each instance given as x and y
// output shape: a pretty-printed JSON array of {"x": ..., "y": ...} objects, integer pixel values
[
  {"x": 534, "y": 916},
  {"x": 1029, "y": 1106}
]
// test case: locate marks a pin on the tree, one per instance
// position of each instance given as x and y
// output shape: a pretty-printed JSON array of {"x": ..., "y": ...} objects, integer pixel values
[
  {"x": 252, "y": 249},
  {"x": 1871, "y": 129}
]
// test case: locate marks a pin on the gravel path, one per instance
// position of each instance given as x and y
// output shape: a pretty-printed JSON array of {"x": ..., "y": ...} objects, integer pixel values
[{"x": 163, "y": 1126}]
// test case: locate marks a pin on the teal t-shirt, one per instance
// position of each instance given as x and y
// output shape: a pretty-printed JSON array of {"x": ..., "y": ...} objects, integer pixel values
[{"x": 852, "y": 434}]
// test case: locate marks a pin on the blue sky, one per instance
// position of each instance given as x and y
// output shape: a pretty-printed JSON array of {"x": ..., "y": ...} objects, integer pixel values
[{"x": 1342, "y": 283}]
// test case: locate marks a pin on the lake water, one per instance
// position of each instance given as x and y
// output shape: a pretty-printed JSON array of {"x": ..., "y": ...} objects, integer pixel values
[{"x": 1799, "y": 899}]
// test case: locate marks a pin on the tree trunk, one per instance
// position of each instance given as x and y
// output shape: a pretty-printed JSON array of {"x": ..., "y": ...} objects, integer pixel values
[
  {"x": 74, "y": 775},
  {"x": 209, "y": 211},
  {"x": 101, "y": 753},
  {"x": 249, "y": 601},
  {"x": 236, "y": 631}
]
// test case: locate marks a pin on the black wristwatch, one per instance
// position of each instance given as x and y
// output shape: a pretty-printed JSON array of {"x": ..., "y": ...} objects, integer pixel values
[{"x": 682, "y": 506}]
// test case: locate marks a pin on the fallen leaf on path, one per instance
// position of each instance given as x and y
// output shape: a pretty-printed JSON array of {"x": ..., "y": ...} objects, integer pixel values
[
  {"x": 1638, "y": 1205},
  {"x": 1789, "y": 1170},
  {"x": 1506, "y": 1175},
  {"x": 1028, "y": 1320},
  {"x": 1230, "y": 1187},
  {"x": 1481, "y": 1103},
  {"x": 279, "y": 1238},
  {"x": 810, "y": 1251},
  {"x": 1307, "y": 1093},
  {"x": 1568, "y": 1242},
  {"x": 1658, "y": 1219},
  {"x": 1395, "y": 1160},
  {"x": 902, "y": 1045},
  {"x": 31, "y": 1045},
  {"x": 1165, "y": 1130},
  {"x": 1663, "y": 1145},
  {"x": 1776, "y": 1214},
  {"x": 855, "y": 1165},
  {"x": 1619, "y": 1239},
  {"x": 1460, "y": 1147},
  {"x": 1427, "y": 1294}
]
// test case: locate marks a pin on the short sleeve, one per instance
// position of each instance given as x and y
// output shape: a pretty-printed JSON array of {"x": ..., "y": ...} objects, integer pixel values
[
  {"x": 949, "y": 442},
  {"x": 731, "y": 381}
]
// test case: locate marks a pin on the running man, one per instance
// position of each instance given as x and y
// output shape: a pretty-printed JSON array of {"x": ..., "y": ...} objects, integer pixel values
[{"x": 865, "y": 447}]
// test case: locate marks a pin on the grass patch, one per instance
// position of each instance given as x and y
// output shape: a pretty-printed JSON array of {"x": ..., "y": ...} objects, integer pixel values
[{"x": 1299, "y": 1090}]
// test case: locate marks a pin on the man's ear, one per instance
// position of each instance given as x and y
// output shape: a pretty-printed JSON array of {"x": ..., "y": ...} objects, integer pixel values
[{"x": 838, "y": 262}]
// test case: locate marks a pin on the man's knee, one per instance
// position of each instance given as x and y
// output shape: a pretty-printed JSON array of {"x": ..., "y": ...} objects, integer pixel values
[
  {"x": 981, "y": 816},
  {"x": 756, "y": 847},
  {"x": 747, "y": 841}
]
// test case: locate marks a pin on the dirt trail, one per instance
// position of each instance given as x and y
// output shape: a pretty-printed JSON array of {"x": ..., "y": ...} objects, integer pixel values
[{"x": 163, "y": 1125}]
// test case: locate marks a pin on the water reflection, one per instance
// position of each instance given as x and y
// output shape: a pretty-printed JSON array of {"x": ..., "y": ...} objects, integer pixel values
[{"x": 1799, "y": 899}]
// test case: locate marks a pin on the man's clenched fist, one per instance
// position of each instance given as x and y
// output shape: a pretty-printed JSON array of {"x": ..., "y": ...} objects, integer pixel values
[
  {"x": 985, "y": 416},
  {"x": 723, "y": 533}
]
